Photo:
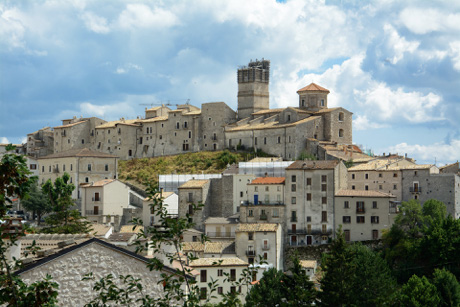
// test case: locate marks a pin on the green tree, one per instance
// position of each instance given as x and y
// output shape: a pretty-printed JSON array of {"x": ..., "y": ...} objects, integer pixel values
[
  {"x": 37, "y": 203},
  {"x": 63, "y": 219},
  {"x": 434, "y": 211},
  {"x": 14, "y": 182},
  {"x": 410, "y": 218},
  {"x": 447, "y": 286},
  {"x": 299, "y": 290},
  {"x": 337, "y": 267},
  {"x": 418, "y": 292},
  {"x": 372, "y": 281},
  {"x": 269, "y": 291}
]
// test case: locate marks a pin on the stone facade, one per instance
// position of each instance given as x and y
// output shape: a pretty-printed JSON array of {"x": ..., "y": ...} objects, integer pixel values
[
  {"x": 95, "y": 257},
  {"x": 309, "y": 194},
  {"x": 76, "y": 133},
  {"x": 195, "y": 192},
  {"x": 364, "y": 214},
  {"x": 170, "y": 202},
  {"x": 40, "y": 143}
]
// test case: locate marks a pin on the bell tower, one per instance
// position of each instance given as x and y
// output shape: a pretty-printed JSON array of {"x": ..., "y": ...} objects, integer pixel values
[{"x": 253, "y": 93}]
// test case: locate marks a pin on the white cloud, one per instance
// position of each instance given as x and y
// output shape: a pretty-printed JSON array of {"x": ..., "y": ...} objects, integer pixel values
[
  {"x": 95, "y": 23},
  {"x": 126, "y": 68},
  {"x": 362, "y": 123},
  {"x": 4, "y": 140},
  {"x": 442, "y": 152},
  {"x": 112, "y": 111},
  {"x": 141, "y": 16},
  {"x": 455, "y": 52},
  {"x": 426, "y": 20},
  {"x": 11, "y": 28},
  {"x": 399, "y": 45},
  {"x": 391, "y": 106}
]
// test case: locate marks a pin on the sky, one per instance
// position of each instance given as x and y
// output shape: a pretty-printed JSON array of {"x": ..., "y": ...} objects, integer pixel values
[{"x": 394, "y": 64}]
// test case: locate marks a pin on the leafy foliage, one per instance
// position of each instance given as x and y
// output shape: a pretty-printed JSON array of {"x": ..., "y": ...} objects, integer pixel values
[
  {"x": 37, "y": 203},
  {"x": 418, "y": 292},
  {"x": 447, "y": 286}
]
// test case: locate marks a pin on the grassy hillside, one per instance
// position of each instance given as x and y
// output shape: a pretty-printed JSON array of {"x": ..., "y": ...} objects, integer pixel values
[{"x": 141, "y": 172}]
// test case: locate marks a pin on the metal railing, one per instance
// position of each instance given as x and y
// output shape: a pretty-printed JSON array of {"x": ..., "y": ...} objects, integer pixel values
[
  {"x": 265, "y": 247},
  {"x": 415, "y": 189},
  {"x": 250, "y": 253},
  {"x": 220, "y": 234},
  {"x": 92, "y": 212}
]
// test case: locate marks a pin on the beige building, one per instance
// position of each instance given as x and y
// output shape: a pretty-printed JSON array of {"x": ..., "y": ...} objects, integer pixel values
[
  {"x": 83, "y": 166},
  {"x": 40, "y": 143},
  {"x": 216, "y": 269},
  {"x": 151, "y": 217},
  {"x": 309, "y": 199},
  {"x": 382, "y": 175},
  {"x": 364, "y": 214},
  {"x": 264, "y": 240},
  {"x": 103, "y": 201},
  {"x": 221, "y": 228}
]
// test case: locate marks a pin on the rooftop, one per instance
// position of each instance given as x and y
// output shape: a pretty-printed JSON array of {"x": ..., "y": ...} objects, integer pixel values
[
  {"x": 299, "y": 164},
  {"x": 131, "y": 229},
  {"x": 99, "y": 183},
  {"x": 256, "y": 227},
  {"x": 194, "y": 184},
  {"x": 314, "y": 88},
  {"x": 308, "y": 263},
  {"x": 362, "y": 193},
  {"x": 232, "y": 261},
  {"x": 269, "y": 180}
]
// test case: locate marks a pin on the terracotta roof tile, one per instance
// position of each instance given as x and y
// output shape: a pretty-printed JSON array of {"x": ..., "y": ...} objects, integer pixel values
[
  {"x": 320, "y": 164},
  {"x": 269, "y": 180},
  {"x": 244, "y": 227},
  {"x": 231, "y": 261},
  {"x": 362, "y": 193},
  {"x": 216, "y": 247},
  {"x": 313, "y": 87}
]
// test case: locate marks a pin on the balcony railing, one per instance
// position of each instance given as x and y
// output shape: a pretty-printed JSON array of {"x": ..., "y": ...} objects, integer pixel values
[
  {"x": 92, "y": 212},
  {"x": 263, "y": 216},
  {"x": 220, "y": 234},
  {"x": 415, "y": 189},
  {"x": 293, "y": 218},
  {"x": 97, "y": 199},
  {"x": 263, "y": 203},
  {"x": 250, "y": 253},
  {"x": 317, "y": 231},
  {"x": 265, "y": 247},
  {"x": 360, "y": 210}
]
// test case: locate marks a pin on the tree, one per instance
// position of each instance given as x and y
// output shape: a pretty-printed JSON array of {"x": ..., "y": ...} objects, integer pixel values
[
  {"x": 299, "y": 290},
  {"x": 269, "y": 291},
  {"x": 418, "y": 292},
  {"x": 410, "y": 218},
  {"x": 37, "y": 203},
  {"x": 434, "y": 211},
  {"x": 14, "y": 181},
  {"x": 337, "y": 267},
  {"x": 63, "y": 219},
  {"x": 447, "y": 286}
]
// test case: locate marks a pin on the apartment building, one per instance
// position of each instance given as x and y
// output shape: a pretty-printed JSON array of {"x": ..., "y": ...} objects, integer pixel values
[
  {"x": 191, "y": 193},
  {"x": 150, "y": 216},
  {"x": 364, "y": 214},
  {"x": 309, "y": 199}
]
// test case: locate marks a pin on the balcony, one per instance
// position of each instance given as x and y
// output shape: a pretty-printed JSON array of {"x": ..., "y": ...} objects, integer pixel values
[
  {"x": 293, "y": 218},
  {"x": 415, "y": 189},
  {"x": 250, "y": 253},
  {"x": 93, "y": 212},
  {"x": 360, "y": 211},
  {"x": 262, "y": 203},
  {"x": 220, "y": 234},
  {"x": 265, "y": 247},
  {"x": 96, "y": 199},
  {"x": 263, "y": 217}
]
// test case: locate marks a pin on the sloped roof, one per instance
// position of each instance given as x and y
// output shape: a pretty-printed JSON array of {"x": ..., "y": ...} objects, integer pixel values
[
  {"x": 121, "y": 237},
  {"x": 131, "y": 229},
  {"x": 71, "y": 125},
  {"x": 193, "y": 246},
  {"x": 217, "y": 247},
  {"x": 194, "y": 184},
  {"x": 269, "y": 180},
  {"x": 256, "y": 227},
  {"x": 163, "y": 195},
  {"x": 80, "y": 152},
  {"x": 99, "y": 183},
  {"x": 308, "y": 263},
  {"x": 99, "y": 229},
  {"x": 153, "y": 119},
  {"x": 231, "y": 261},
  {"x": 112, "y": 124},
  {"x": 363, "y": 193},
  {"x": 320, "y": 164},
  {"x": 271, "y": 125},
  {"x": 313, "y": 87}
]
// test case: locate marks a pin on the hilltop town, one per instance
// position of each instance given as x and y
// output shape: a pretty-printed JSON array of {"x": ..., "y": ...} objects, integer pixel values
[{"x": 315, "y": 183}]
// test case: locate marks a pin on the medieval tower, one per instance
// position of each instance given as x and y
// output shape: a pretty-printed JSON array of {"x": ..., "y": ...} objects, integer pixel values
[{"x": 253, "y": 94}]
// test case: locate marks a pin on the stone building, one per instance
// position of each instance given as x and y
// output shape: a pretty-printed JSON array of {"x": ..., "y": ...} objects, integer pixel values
[
  {"x": 309, "y": 199},
  {"x": 364, "y": 214},
  {"x": 40, "y": 143},
  {"x": 150, "y": 216},
  {"x": 281, "y": 132},
  {"x": 195, "y": 192},
  {"x": 424, "y": 182},
  {"x": 83, "y": 166}
]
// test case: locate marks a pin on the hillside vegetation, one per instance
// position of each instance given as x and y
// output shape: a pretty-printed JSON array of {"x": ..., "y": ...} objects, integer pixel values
[{"x": 145, "y": 171}]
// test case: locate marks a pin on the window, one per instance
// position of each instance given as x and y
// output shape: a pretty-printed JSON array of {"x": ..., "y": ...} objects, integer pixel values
[
  {"x": 395, "y": 186},
  {"x": 380, "y": 175},
  {"x": 347, "y": 235},
  {"x": 63, "y": 167},
  {"x": 352, "y": 187},
  {"x": 220, "y": 290},
  {"x": 43, "y": 169},
  {"x": 293, "y": 200},
  {"x": 308, "y": 181},
  {"x": 96, "y": 196},
  {"x": 50, "y": 169},
  {"x": 324, "y": 200},
  {"x": 106, "y": 167},
  {"x": 278, "y": 188},
  {"x": 293, "y": 216},
  {"x": 395, "y": 175},
  {"x": 266, "y": 189},
  {"x": 293, "y": 187},
  {"x": 323, "y": 178},
  {"x": 324, "y": 187},
  {"x": 250, "y": 212},
  {"x": 380, "y": 187},
  {"x": 190, "y": 209},
  {"x": 265, "y": 141},
  {"x": 89, "y": 167},
  {"x": 241, "y": 194},
  {"x": 374, "y": 205},
  {"x": 324, "y": 216},
  {"x": 33, "y": 166},
  {"x": 203, "y": 276},
  {"x": 346, "y": 219},
  {"x": 250, "y": 236},
  {"x": 322, "y": 102},
  {"x": 190, "y": 197},
  {"x": 220, "y": 272},
  {"x": 276, "y": 212},
  {"x": 177, "y": 125},
  {"x": 82, "y": 141},
  {"x": 256, "y": 189},
  {"x": 346, "y": 204},
  {"x": 360, "y": 219},
  {"x": 366, "y": 176},
  {"x": 250, "y": 260},
  {"x": 374, "y": 219},
  {"x": 232, "y": 275},
  {"x": 360, "y": 206},
  {"x": 71, "y": 167},
  {"x": 130, "y": 152},
  {"x": 86, "y": 179},
  {"x": 341, "y": 133},
  {"x": 279, "y": 140},
  {"x": 341, "y": 116},
  {"x": 265, "y": 256},
  {"x": 366, "y": 187},
  {"x": 185, "y": 124},
  {"x": 293, "y": 178},
  {"x": 353, "y": 176},
  {"x": 203, "y": 293},
  {"x": 308, "y": 218},
  {"x": 324, "y": 229},
  {"x": 308, "y": 196},
  {"x": 190, "y": 134}
]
